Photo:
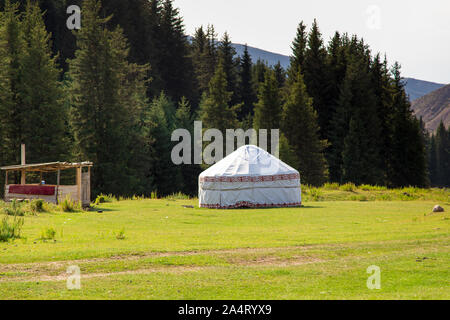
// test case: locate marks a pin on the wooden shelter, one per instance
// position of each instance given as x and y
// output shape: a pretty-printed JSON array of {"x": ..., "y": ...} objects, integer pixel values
[{"x": 80, "y": 192}]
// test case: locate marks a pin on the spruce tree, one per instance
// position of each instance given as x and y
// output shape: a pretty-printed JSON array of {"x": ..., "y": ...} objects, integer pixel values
[
  {"x": 198, "y": 54},
  {"x": 11, "y": 115},
  {"x": 216, "y": 110},
  {"x": 212, "y": 54},
  {"x": 226, "y": 54},
  {"x": 189, "y": 172},
  {"x": 298, "y": 51},
  {"x": 300, "y": 127},
  {"x": 175, "y": 67},
  {"x": 5, "y": 92},
  {"x": 108, "y": 94},
  {"x": 204, "y": 57},
  {"x": 408, "y": 161},
  {"x": 40, "y": 92},
  {"x": 268, "y": 109},
  {"x": 432, "y": 162},
  {"x": 382, "y": 90},
  {"x": 259, "y": 70},
  {"x": 161, "y": 174},
  {"x": 442, "y": 175},
  {"x": 280, "y": 74},
  {"x": 340, "y": 127},
  {"x": 31, "y": 109},
  {"x": 316, "y": 77},
  {"x": 356, "y": 129},
  {"x": 247, "y": 93}
]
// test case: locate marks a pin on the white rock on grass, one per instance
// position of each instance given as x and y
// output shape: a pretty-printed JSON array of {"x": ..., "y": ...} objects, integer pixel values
[{"x": 438, "y": 208}]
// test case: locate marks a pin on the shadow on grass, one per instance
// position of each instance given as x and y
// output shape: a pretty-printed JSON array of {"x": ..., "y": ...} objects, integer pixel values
[
  {"x": 312, "y": 207},
  {"x": 96, "y": 209}
]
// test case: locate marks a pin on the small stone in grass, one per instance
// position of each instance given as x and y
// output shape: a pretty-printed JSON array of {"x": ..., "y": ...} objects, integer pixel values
[{"x": 438, "y": 208}]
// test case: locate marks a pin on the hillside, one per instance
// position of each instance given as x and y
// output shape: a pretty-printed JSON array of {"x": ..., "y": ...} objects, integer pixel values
[
  {"x": 434, "y": 107},
  {"x": 270, "y": 57},
  {"x": 418, "y": 88},
  {"x": 414, "y": 88}
]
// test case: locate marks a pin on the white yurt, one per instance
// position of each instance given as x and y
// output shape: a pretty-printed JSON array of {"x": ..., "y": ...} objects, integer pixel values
[{"x": 249, "y": 177}]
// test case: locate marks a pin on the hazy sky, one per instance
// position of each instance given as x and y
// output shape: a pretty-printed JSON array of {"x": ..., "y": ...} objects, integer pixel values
[{"x": 416, "y": 32}]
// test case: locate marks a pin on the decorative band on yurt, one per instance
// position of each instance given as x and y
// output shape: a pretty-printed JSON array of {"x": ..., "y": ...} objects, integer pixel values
[
  {"x": 252, "y": 205},
  {"x": 276, "y": 177}
]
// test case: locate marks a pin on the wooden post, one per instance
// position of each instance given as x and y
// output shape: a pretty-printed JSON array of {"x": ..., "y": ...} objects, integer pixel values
[
  {"x": 58, "y": 178},
  {"x": 79, "y": 183},
  {"x": 6, "y": 185},
  {"x": 89, "y": 185},
  {"x": 22, "y": 154},
  {"x": 23, "y": 179}
]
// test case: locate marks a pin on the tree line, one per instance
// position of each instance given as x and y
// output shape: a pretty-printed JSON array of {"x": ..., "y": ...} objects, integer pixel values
[
  {"x": 438, "y": 145},
  {"x": 113, "y": 92}
]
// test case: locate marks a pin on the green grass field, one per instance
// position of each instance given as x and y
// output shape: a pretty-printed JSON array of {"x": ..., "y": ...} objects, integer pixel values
[{"x": 320, "y": 251}]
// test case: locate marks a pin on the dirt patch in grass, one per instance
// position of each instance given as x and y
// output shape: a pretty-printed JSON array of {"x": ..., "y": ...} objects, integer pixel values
[
  {"x": 248, "y": 257},
  {"x": 57, "y": 265},
  {"x": 277, "y": 261},
  {"x": 269, "y": 262},
  {"x": 56, "y": 271},
  {"x": 64, "y": 276}
]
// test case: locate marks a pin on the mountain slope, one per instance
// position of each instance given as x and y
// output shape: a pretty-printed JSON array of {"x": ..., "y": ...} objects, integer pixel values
[
  {"x": 270, "y": 57},
  {"x": 434, "y": 107},
  {"x": 418, "y": 88}
]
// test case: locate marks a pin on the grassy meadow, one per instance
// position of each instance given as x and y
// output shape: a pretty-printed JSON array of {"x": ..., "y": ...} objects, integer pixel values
[{"x": 171, "y": 249}]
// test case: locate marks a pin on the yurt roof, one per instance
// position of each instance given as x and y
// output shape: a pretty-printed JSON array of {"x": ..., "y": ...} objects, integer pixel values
[{"x": 249, "y": 160}]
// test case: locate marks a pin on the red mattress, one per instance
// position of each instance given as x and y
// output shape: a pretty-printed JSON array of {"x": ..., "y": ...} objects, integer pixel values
[{"x": 32, "y": 190}]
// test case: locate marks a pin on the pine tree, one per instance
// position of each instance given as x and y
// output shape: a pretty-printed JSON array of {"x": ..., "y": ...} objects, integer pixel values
[
  {"x": 31, "y": 109},
  {"x": 298, "y": 51},
  {"x": 204, "y": 57},
  {"x": 5, "y": 92},
  {"x": 442, "y": 177},
  {"x": 316, "y": 77},
  {"x": 268, "y": 109},
  {"x": 340, "y": 125},
  {"x": 189, "y": 172},
  {"x": 280, "y": 74},
  {"x": 247, "y": 93},
  {"x": 108, "y": 94},
  {"x": 408, "y": 161},
  {"x": 216, "y": 110},
  {"x": 336, "y": 63},
  {"x": 197, "y": 54},
  {"x": 382, "y": 90},
  {"x": 40, "y": 92},
  {"x": 212, "y": 45},
  {"x": 11, "y": 115},
  {"x": 356, "y": 130},
  {"x": 432, "y": 161},
  {"x": 259, "y": 70},
  {"x": 175, "y": 67},
  {"x": 54, "y": 15},
  {"x": 227, "y": 54},
  {"x": 300, "y": 128},
  {"x": 162, "y": 175}
]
